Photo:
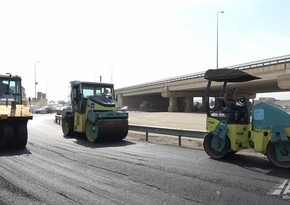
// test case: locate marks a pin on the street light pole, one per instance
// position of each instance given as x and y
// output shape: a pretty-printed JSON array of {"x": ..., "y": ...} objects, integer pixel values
[
  {"x": 35, "y": 82},
  {"x": 217, "y": 38}
]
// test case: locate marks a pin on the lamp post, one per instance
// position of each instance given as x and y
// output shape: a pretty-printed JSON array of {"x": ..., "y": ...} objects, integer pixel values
[
  {"x": 217, "y": 38},
  {"x": 35, "y": 82}
]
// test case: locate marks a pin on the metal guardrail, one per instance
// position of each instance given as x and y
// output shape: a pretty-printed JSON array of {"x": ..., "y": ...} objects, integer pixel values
[
  {"x": 167, "y": 131},
  {"x": 57, "y": 119},
  {"x": 159, "y": 130},
  {"x": 264, "y": 62}
]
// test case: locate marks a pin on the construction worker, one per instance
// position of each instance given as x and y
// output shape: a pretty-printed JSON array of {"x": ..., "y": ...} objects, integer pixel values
[{"x": 231, "y": 101}]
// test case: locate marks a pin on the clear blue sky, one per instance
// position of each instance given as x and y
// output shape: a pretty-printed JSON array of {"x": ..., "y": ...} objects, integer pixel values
[{"x": 131, "y": 42}]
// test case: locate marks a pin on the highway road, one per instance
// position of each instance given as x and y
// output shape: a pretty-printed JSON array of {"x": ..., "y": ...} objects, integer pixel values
[{"x": 57, "y": 170}]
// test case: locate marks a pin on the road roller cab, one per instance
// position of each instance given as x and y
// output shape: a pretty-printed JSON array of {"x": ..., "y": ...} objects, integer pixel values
[
  {"x": 94, "y": 113},
  {"x": 14, "y": 113},
  {"x": 263, "y": 127}
]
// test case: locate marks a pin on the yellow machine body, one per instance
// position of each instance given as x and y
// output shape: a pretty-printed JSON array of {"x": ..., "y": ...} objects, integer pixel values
[
  {"x": 14, "y": 113},
  {"x": 234, "y": 124},
  {"x": 94, "y": 113},
  {"x": 80, "y": 118},
  {"x": 238, "y": 134}
]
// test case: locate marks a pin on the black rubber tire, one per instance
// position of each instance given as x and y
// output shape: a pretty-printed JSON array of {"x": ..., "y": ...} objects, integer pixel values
[
  {"x": 90, "y": 131},
  {"x": 2, "y": 138},
  {"x": 21, "y": 135},
  {"x": 6, "y": 136},
  {"x": 213, "y": 153},
  {"x": 271, "y": 154},
  {"x": 67, "y": 127}
]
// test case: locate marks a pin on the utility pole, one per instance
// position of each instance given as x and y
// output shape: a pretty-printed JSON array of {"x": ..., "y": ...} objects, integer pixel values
[{"x": 217, "y": 38}]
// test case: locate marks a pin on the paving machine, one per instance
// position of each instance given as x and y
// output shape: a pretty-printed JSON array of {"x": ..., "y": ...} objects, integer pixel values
[
  {"x": 14, "y": 113},
  {"x": 264, "y": 127},
  {"x": 94, "y": 113}
]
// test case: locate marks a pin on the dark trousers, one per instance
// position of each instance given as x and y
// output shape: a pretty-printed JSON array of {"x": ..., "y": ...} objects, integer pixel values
[{"x": 236, "y": 113}]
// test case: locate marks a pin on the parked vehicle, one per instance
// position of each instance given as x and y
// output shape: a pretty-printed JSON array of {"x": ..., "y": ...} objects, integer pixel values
[{"x": 45, "y": 110}]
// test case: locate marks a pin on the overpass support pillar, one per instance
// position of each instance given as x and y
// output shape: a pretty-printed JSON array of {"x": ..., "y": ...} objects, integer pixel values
[
  {"x": 120, "y": 100},
  {"x": 172, "y": 104},
  {"x": 188, "y": 104},
  {"x": 284, "y": 81}
]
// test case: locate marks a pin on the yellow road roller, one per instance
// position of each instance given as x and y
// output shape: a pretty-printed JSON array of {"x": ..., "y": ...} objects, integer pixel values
[
  {"x": 94, "y": 113},
  {"x": 262, "y": 126},
  {"x": 14, "y": 113}
]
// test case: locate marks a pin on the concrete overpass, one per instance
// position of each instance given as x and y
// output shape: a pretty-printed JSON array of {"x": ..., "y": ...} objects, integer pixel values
[{"x": 178, "y": 92}]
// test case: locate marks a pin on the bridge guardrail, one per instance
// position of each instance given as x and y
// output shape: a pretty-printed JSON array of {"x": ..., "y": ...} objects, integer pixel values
[
  {"x": 159, "y": 130},
  {"x": 243, "y": 66}
]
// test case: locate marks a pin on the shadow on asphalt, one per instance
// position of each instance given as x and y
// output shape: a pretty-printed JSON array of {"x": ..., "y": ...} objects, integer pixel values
[
  {"x": 257, "y": 164},
  {"x": 13, "y": 152},
  {"x": 81, "y": 140}
]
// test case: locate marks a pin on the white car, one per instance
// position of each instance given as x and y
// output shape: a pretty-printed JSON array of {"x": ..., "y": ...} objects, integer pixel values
[{"x": 44, "y": 110}]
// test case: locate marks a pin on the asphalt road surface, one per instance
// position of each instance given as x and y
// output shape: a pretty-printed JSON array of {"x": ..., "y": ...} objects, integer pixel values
[{"x": 57, "y": 170}]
